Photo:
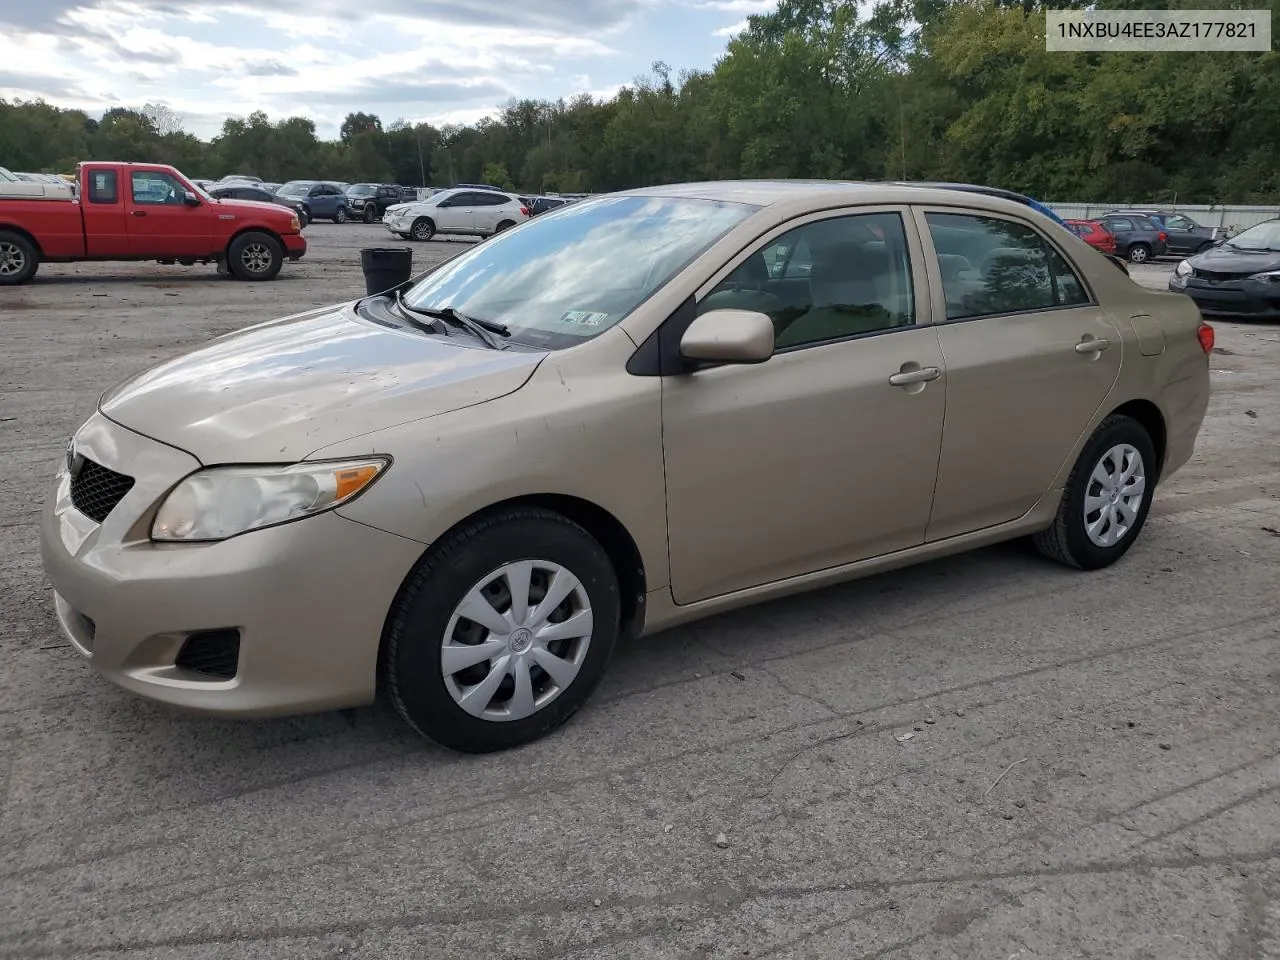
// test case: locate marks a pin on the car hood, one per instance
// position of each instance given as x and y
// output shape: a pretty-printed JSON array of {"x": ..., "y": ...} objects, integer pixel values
[
  {"x": 278, "y": 391},
  {"x": 1224, "y": 259}
]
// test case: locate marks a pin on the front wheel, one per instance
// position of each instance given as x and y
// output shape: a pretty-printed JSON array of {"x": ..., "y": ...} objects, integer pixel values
[
  {"x": 303, "y": 218},
  {"x": 1139, "y": 253},
  {"x": 502, "y": 632},
  {"x": 1106, "y": 499},
  {"x": 340, "y": 215},
  {"x": 370, "y": 214},
  {"x": 423, "y": 229},
  {"x": 19, "y": 259},
  {"x": 255, "y": 256}
]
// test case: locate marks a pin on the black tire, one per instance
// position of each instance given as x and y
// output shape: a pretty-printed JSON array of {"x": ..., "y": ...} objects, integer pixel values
[
  {"x": 370, "y": 214},
  {"x": 505, "y": 225},
  {"x": 19, "y": 259},
  {"x": 423, "y": 229},
  {"x": 340, "y": 215},
  {"x": 255, "y": 256},
  {"x": 412, "y": 673},
  {"x": 1139, "y": 253},
  {"x": 1067, "y": 541},
  {"x": 303, "y": 219}
]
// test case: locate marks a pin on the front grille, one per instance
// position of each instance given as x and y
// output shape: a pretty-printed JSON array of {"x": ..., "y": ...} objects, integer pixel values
[
  {"x": 1217, "y": 277},
  {"x": 214, "y": 653},
  {"x": 96, "y": 490}
]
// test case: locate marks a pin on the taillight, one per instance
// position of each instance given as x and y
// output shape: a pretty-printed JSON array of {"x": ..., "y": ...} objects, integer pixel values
[
  {"x": 1163, "y": 236},
  {"x": 524, "y": 211},
  {"x": 1205, "y": 335}
]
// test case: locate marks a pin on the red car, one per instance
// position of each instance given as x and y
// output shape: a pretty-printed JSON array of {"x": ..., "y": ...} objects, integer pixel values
[
  {"x": 1094, "y": 234},
  {"x": 144, "y": 211}
]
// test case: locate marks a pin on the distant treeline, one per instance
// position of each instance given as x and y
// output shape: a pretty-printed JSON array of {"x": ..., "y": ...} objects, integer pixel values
[{"x": 821, "y": 88}]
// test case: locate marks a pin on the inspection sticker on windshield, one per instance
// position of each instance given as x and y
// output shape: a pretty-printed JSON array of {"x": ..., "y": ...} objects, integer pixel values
[{"x": 584, "y": 318}]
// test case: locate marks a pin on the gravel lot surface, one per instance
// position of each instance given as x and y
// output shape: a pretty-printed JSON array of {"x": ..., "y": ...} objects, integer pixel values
[{"x": 1092, "y": 768}]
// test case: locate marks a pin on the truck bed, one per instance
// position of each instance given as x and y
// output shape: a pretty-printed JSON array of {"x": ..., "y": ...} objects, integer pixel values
[{"x": 26, "y": 190}]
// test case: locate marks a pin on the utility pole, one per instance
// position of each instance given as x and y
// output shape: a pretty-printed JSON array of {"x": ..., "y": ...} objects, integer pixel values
[{"x": 422, "y": 165}]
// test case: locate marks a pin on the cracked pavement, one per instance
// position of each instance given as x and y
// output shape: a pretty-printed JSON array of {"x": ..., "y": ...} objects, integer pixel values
[{"x": 1092, "y": 769}]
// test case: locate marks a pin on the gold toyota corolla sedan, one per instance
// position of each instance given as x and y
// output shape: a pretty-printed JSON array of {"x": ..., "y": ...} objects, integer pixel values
[{"x": 632, "y": 412}]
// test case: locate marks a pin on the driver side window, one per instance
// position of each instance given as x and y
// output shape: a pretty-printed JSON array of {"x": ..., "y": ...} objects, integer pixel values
[
  {"x": 827, "y": 280},
  {"x": 154, "y": 188}
]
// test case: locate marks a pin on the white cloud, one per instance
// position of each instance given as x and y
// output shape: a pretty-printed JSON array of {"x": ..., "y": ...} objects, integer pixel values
[
  {"x": 730, "y": 31},
  {"x": 746, "y": 7},
  {"x": 438, "y": 60}
]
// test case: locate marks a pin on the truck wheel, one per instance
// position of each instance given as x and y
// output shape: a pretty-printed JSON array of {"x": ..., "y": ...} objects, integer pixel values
[
  {"x": 423, "y": 229},
  {"x": 19, "y": 259},
  {"x": 340, "y": 215},
  {"x": 370, "y": 214},
  {"x": 255, "y": 256}
]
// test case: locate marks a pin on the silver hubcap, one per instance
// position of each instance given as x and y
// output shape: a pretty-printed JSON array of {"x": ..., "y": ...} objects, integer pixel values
[
  {"x": 1138, "y": 255},
  {"x": 1114, "y": 495},
  {"x": 12, "y": 259},
  {"x": 517, "y": 640},
  {"x": 256, "y": 258},
  {"x": 422, "y": 231}
]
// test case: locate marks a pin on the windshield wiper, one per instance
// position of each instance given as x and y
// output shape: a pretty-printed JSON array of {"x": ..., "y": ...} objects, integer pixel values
[
  {"x": 484, "y": 329},
  {"x": 412, "y": 316}
]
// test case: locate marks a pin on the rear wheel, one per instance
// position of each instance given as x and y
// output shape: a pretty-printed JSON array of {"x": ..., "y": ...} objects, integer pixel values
[
  {"x": 1139, "y": 253},
  {"x": 1107, "y": 497},
  {"x": 502, "y": 632},
  {"x": 255, "y": 256},
  {"x": 505, "y": 225},
  {"x": 19, "y": 259},
  {"x": 340, "y": 215},
  {"x": 423, "y": 229}
]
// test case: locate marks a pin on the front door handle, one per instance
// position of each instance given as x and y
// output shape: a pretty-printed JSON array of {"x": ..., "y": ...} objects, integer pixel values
[
  {"x": 1092, "y": 346},
  {"x": 923, "y": 375},
  {"x": 139, "y": 213}
]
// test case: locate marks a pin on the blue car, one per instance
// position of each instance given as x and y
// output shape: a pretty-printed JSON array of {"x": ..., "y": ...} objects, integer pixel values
[{"x": 321, "y": 199}]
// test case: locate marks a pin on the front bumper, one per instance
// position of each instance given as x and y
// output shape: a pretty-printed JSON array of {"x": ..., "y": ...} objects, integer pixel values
[
  {"x": 308, "y": 599},
  {"x": 397, "y": 224},
  {"x": 1259, "y": 299},
  {"x": 295, "y": 246}
]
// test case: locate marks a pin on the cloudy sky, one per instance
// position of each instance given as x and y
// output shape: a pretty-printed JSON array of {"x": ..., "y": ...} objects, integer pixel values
[{"x": 436, "y": 60}]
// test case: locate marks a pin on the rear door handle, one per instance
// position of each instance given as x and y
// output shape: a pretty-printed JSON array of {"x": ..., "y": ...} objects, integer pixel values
[
  {"x": 139, "y": 213},
  {"x": 923, "y": 375},
  {"x": 1092, "y": 346}
]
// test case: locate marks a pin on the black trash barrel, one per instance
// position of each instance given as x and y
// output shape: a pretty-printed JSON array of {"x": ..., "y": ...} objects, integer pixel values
[{"x": 384, "y": 267}]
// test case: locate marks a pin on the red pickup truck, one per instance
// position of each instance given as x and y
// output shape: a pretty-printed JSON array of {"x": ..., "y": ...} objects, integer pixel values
[{"x": 144, "y": 211}]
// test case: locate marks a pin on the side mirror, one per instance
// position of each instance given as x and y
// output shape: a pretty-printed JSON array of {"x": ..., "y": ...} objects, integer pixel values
[
  {"x": 729, "y": 336},
  {"x": 190, "y": 199}
]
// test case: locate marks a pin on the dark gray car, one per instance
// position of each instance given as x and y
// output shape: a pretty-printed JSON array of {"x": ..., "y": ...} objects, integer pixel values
[
  {"x": 1184, "y": 235},
  {"x": 1240, "y": 277},
  {"x": 1138, "y": 237}
]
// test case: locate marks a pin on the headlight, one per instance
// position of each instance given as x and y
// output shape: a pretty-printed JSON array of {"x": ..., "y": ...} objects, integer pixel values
[
  {"x": 222, "y": 502},
  {"x": 1272, "y": 275},
  {"x": 1183, "y": 269}
]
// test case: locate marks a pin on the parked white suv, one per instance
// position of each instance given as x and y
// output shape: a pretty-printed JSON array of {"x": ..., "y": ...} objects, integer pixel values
[{"x": 477, "y": 213}]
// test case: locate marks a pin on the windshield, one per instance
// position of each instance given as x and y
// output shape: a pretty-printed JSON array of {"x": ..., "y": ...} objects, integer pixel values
[
  {"x": 362, "y": 190},
  {"x": 1265, "y": 236},
  {"x": 6, "y": 176},
  {"x": 573, "y": 273},
  {"x": 298, "y": 188}
]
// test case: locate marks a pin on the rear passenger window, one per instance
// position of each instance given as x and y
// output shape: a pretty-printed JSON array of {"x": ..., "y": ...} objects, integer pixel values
[
  {"x": 992, "y": 266},
  {"x": 103, "y": 186}
]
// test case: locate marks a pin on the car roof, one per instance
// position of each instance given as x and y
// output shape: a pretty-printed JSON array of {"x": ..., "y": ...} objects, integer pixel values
[{"x": 765, "y": 193}]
